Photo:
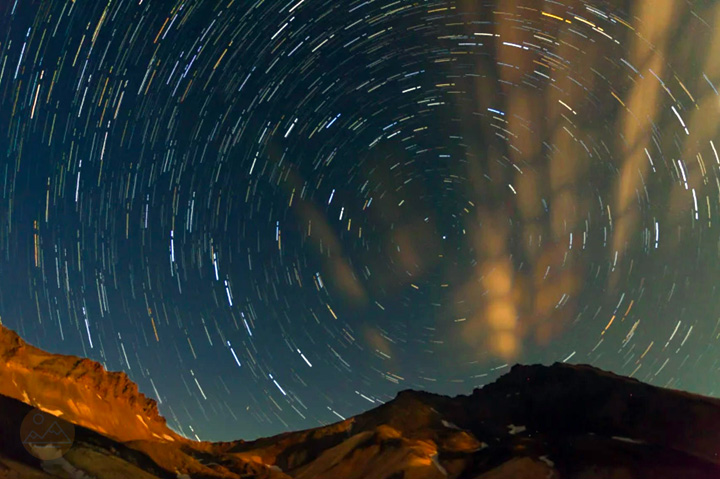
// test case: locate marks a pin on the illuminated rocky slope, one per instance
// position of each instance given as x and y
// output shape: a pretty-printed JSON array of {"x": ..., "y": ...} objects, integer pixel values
[
  {"x": 80, "y": 390},
  {"x": 534, "y": 422}
]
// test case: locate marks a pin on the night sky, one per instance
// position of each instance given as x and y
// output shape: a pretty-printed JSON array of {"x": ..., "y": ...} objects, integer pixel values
[{"x": 276, "y": 214}]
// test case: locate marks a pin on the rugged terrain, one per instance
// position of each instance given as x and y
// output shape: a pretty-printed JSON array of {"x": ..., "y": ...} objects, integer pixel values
[
  {"x": 80, "y": 390},
  {"x": 535, "y": 422}
]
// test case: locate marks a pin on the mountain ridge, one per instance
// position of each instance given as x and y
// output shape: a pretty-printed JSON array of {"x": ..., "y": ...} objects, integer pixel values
[
  {"x": 88, "y": 385},
  {"x": 533, "y": 422}
]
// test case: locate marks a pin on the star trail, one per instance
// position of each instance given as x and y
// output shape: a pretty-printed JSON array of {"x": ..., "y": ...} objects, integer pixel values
[{"x": 277, "y": 214}]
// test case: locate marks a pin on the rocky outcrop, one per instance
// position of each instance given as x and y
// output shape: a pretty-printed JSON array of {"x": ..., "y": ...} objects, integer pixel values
[{"x": 79, "y": 390}]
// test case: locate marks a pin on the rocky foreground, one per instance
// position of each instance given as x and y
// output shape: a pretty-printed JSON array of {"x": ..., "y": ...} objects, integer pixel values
[{"x": 539, "y": 422}]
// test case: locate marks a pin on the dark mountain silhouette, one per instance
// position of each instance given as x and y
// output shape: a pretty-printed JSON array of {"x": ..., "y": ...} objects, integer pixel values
[{"x": 558, "y": 421}]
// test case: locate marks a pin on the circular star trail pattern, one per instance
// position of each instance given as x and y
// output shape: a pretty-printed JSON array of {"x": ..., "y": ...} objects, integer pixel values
[{"x": 276, "y": 214}]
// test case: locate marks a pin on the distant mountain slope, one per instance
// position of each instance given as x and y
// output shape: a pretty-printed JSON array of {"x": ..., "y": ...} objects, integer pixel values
[
  {"x": 541, "y": 422},
  {"x": 536, "y": 421}
]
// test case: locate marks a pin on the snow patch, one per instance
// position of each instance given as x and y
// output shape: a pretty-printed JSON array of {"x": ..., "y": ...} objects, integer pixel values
[
  {"x": 54, "y": 412},
  {"x": 51, "y": 467},
  {"x": 516, "y": 429},
  {"x": 627, "y": 439},
  {"x": 435, "y": 461},
  {"x": 46, "y": 453},
  {"x": 450, "y": 425},
  {"x": 547, "y": 461},
  {"x": 483, "y": 445},
  {"x": 142, "y": 421}
]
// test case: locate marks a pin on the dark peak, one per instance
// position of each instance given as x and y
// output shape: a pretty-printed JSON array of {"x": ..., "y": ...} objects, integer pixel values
[
  {"x": 527, "y": 374},
  {"x": 416, "y": 394},
  {"x": 406, "y": 392},
  {"x": 559, "y": 371},
  {"x": 530, "y": 369},
  {"x": 411, "y": 399}
]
